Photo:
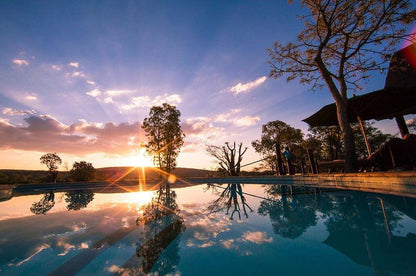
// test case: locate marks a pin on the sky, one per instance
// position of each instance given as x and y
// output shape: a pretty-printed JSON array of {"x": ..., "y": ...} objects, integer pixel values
[{"x": 79, "y": 77}]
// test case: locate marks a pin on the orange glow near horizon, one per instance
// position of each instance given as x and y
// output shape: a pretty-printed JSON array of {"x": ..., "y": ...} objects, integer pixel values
[{"x": 141, "y": 159}]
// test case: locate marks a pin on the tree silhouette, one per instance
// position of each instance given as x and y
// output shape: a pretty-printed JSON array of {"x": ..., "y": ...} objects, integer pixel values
[
  {"x": 164, "y": 134},
  {"x": 82, "y": 171},
  {"x": 228, "y": 157},
  {"x": 341, "y": 43},
  {"x": 231, "y": 196},
  {"x": 78, "y": 200},
  {"x": 51, "y": 160},
  {"x": 44, "y": 204},
  {"x": 276, "y": 135}
]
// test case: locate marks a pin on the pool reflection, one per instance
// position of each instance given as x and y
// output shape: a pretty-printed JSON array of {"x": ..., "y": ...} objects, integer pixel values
[
  {"x": 163, "y": 225},
  {"x": 172, "y": 230},
  {"x": 230, "y": 196}
]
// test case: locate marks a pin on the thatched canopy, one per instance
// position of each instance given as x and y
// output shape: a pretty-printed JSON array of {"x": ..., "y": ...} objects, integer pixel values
[
  {"x": 398, "y": 97},
  {"x": 379, "y": 105}
]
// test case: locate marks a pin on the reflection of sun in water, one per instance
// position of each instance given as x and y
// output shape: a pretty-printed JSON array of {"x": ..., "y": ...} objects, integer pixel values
[{"x": 139, "y": 198}]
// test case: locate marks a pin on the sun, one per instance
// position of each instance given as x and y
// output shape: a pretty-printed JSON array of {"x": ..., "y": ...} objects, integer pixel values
[{"x": 140, "y": 158}]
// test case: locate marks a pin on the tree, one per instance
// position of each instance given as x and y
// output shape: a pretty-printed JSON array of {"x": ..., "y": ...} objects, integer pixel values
[
  {"x": 228, "y": 157},
  {"x": 51, "y": 160},
  {"x": 78, "y": 200},
  {"x": 341, "y": 43},
  {"x": 164, "y": 134},
  {"x": 44, "y": 204},
  {"x": 82, "y": 171},
  {"x": 332, "y": 146},
  {"x": 276, "y": 135}
]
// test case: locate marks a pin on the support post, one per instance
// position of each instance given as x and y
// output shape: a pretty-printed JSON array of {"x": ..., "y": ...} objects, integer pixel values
[
  {"x": 360, "y": 122},
  {"x": 402, "y": 125}
]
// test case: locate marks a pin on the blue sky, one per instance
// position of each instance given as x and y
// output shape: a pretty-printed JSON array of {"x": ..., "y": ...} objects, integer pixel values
[{"x": 78, "y": 77}]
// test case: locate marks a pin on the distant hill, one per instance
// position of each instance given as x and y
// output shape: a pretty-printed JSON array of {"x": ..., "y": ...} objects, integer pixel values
[{"x": 102, "y": 174}]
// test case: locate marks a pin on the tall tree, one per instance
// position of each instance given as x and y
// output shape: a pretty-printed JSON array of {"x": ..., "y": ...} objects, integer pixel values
[
  {"x": 51, "y": 160},
  {"x": 164, "y": 134},
  {"x": 228, "y": 157},
  {"x": 276, "y": 135},
  {"x": 341, "y": 43}
]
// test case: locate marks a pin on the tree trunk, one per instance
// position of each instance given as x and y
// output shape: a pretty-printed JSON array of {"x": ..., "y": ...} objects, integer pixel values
[
  {"x": 280, "y": 166},
  {"x": 348, "y": 136}
]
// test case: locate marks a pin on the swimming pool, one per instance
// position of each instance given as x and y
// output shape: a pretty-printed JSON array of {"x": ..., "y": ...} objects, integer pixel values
[{"x": 208, "y": 230}]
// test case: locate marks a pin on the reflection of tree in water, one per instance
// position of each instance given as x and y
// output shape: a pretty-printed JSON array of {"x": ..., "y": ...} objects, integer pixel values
[
  {"x": 361, "y": 226},
  {"x": 78, "y": 200},
  {"x": 44, "y": 204},
  {"x": 230, "y": 196},
  {"x": 162, "y": 227},
  {"x": 290, "y": 214}
]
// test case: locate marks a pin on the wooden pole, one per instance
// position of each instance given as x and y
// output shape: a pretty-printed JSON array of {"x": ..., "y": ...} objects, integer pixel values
[
  {"x": 402, "y": 125},
  {"x": 360, "y": 122}
]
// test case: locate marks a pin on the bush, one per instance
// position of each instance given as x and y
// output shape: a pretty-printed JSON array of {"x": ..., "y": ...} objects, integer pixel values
[{"x": 82, "y": 171}]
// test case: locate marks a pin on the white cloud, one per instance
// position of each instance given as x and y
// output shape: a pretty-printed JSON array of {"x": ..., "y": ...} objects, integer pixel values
[
  {"x": 31, "y": 97},
  {"x": 20, "y": 62},
  {"x": 108, "y": 100},
  {"x": 94, "y": 93},
  {"x": 73, "y": 64},
  {"x": 245, "y": 87},
  {"x": 146, "y": 101},
  {"x": 56, "y": 67},
  {"x": 114, "y": 93},
  {"x": 247, "y": 121},
  {"x": 257, "y": 237},
  {"x": 224, "y": 117},
  {"x": 13, "y": 112},
  {"x": 91, "y": 82},
  {"x": 77, "y": 74}
]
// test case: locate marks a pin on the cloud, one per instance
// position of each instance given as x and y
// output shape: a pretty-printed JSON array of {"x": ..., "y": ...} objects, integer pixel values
[
  {"x": 246, "y": 87},
  {"x": 257, "y": 237},
  {"x": 56, "y": 67},
  {"x": 114, "y": 93},
  {"x": 45, "y": 133},
  {"x": 91, "y": 82},
  {"x": 14, "y": 112},
  {"x": 74, "y": 64},
  {"x": 31, "y": 97},
  {"x": 94, "y": 93},
  {"x": 78, "y": 74},
  {"x": 247, "y": 121},
  {"x": 108, "y": 100},
  {"x": 146, "y": 101},
  {"x": 224, "y": 117},
  {"x": 20, "y": 62}
]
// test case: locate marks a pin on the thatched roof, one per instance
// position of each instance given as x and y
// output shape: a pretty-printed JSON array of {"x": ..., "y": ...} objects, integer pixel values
[{"x": 398, "y": 97}]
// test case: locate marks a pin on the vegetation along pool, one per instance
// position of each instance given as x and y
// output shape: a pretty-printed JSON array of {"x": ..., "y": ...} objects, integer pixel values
[{"x": 208, "y": 230}]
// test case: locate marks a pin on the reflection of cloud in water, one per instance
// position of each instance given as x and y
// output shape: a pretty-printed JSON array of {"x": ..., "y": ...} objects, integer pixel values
[
  {"x": 76, "y": 229},
  {"x": 113, "y": 269},
  {"x": 66, "y": 246},
  {"x": 37, "y": 251},
  {"x": 257, "y": 237}
]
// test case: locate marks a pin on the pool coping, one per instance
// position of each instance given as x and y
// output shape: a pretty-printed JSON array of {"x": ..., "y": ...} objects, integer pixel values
[{"x": 398, "y": 183}]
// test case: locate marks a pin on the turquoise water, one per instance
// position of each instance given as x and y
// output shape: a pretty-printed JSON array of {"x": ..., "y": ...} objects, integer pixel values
[{"x": 208, "y": 230}]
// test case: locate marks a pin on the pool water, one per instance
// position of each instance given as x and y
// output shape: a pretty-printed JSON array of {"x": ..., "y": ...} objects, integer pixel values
[{"x": 208, "y": 230}]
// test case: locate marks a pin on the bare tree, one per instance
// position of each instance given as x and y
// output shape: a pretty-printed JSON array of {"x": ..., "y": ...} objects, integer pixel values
[
  {"x": 341, "y": 43},
  {"x": 228, "y": 157}
]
